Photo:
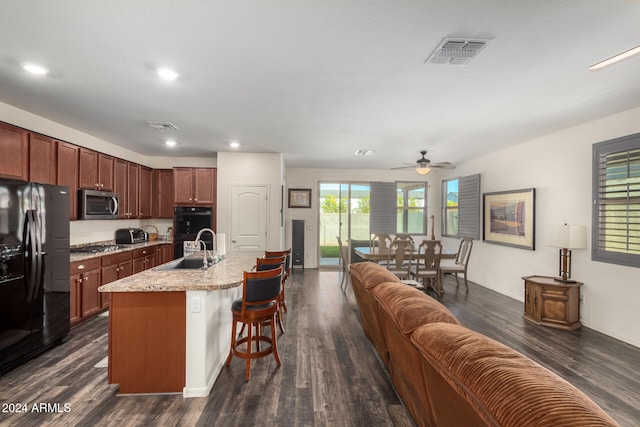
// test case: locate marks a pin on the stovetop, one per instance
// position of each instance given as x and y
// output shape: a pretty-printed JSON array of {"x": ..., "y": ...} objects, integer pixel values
[{"x": 95, "y": 249}]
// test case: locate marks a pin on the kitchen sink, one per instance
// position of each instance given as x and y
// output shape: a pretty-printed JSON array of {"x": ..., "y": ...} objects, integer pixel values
[{"x": 187, "y": 263}]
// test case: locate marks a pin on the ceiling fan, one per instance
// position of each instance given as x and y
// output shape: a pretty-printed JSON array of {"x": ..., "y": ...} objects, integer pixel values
[{"x": 423, "y": 165}]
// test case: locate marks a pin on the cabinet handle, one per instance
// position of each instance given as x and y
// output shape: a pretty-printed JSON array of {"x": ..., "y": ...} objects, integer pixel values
[
  {"x": 195, "y": 200},
  {"x": 79, "y": 280}
]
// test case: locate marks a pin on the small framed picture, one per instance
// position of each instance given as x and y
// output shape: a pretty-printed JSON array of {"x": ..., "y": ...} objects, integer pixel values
[{"x": 299, "y": 197}]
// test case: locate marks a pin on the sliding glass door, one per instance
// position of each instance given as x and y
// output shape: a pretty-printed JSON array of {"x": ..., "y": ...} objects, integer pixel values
[{"x": 344, "y": 213}]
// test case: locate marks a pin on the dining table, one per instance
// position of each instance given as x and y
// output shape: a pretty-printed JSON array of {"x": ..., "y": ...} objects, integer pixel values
[{"x": 376, "y": 254}]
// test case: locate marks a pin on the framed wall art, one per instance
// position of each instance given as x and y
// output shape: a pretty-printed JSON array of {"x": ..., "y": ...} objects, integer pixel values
[
  {"x": 299, "y": 197},
  {"x": 509, "y": 218}
]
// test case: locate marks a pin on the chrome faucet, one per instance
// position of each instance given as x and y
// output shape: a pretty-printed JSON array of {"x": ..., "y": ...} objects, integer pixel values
[{"x": 205, "y": 263}]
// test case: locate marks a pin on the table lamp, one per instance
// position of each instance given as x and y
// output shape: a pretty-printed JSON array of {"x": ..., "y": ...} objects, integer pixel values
[{"x": 567, "y": 237}]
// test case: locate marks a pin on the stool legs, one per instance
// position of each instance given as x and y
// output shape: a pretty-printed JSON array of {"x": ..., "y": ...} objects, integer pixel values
[{"x": 249, "y": 354}]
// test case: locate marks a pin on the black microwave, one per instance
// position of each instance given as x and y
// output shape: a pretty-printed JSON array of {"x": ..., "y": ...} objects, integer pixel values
[{"x": 94, "y": 204}]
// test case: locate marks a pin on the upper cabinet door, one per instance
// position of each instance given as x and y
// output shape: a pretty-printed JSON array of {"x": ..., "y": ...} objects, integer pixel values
[
  {"x": 105, "y": 172},
  {"x": 88, "y": 169},
  {"x": 183, "y": 186},
  {"x": 194, "y": 186},
  {"x": 204, "y": 186},
  {"x": 145, "y": 192},
  {"x": 67, "y": 173},
  {"x": 42, "y": 159},
  {"x": 120, "y": 185},
  {"x": 133, "y": 176},
  {"x": 14, "y": 146},
  {"x": 163, "y": 193},
  {"x": 95, "y": 170}
]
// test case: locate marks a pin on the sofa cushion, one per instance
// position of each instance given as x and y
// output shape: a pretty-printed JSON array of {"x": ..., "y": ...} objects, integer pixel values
[
  {"x": 409, "y": 307},
  {"x": 500, "y": 385}
]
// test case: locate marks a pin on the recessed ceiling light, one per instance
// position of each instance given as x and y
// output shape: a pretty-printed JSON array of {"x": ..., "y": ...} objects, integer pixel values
[
  {"x": 170, "y": 143},
  {"x": 234, "y": 144},
  {"x": 167, "y": 73},
  {"x": 617, "y": 58},
  {"x": 35, "y": 68}
]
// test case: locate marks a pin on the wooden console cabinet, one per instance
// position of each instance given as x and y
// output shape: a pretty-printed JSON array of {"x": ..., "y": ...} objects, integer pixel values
[{"x": 552, "y": 303}]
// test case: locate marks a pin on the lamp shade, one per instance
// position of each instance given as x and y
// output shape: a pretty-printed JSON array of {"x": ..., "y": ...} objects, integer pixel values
[
  {"x": 423, "y": 170},
  {"x": 568, "y": 236}
]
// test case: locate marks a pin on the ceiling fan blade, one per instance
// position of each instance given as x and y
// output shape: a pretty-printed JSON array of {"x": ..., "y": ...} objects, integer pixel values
[
  {"x": 404, "y": 167},
  {"x": 442, "y": 165}
]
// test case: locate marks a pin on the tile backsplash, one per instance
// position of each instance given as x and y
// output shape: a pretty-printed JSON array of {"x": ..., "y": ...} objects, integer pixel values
[{"x": 90, "y": 231}]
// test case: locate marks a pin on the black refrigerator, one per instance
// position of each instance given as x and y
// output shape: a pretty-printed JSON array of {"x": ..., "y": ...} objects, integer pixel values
[{"x": 34, "y": 269}]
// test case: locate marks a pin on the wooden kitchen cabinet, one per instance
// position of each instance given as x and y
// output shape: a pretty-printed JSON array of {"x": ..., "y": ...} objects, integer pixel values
[
  {"x": 145, "y": 192},
  {"x": 552, "y": 303},
  {"x": 164, "y": 253},
  {"x": 84, "y": 296},
  {"x": 14, "y": 146},
  {"x": 114, "y": 267},
  {"x": 120, "y": 185},
  {"x": 133, "y": 174},
  {"x": 144, "y": 258},
  {"x": 42, "y": 159},
  {"x": 194, "y": 186},
  {"x": 95, "y": 170},
  {"x": 67, "y": 173},
  {"x": 163, "y": 193}
]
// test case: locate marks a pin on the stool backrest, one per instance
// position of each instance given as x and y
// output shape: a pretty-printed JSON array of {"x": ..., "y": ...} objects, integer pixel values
[
  {"x": 260, "y": 287},
  {"x": 263, "y": 264},
  {"x": 277, "y": 254}
]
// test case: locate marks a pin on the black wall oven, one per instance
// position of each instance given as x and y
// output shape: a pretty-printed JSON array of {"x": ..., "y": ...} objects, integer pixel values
[{"x": 187, "y": 221}]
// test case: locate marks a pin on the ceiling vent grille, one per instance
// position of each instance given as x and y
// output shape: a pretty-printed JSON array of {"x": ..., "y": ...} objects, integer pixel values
[
  {"x": 162, "y": 126},
  {"x": 363, "y": 152},
  {"x": 456, "y": 51}
]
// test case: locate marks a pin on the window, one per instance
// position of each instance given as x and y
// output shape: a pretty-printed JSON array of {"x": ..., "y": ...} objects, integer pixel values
[
  {"x": 461, "y": 207},
  {"x": 616, "y": 196},
  {"x": 398, "y": 207},
  {"x": 411, "y": 198}
]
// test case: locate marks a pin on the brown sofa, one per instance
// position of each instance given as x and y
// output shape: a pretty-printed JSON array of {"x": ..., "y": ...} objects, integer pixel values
[{"x": 448, "y": 375}]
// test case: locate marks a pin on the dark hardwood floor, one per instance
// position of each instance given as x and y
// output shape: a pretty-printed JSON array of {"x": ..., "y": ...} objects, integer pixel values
[{"x": 330, "y": 374}]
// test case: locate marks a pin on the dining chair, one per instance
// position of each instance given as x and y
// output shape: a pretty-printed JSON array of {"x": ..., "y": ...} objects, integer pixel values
[
  {"x": 400, "y": 257},
  {"x": 343, "y": 264},
  {"x": 460, "y": 264},
  {"x": 426, "y": 266},
  {"x": 259, "y": 304}
]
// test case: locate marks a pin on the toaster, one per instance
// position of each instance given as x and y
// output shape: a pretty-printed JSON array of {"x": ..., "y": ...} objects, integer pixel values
[{"x": 127, "y": 236}]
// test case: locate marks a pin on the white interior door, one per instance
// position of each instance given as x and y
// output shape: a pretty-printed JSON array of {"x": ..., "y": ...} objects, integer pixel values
[{"x": 248, "y": 217}]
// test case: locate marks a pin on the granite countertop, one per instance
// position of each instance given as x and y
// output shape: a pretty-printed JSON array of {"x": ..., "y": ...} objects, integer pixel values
[
  {"x": 223, "y": 275},
  {"x": 82, "y": 256}
]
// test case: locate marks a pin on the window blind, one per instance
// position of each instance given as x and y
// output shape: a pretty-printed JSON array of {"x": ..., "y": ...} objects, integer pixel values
[
  {"x": 382, "y": 217},
  {"x": 469, "y": 206},
  {"x": 616, "y": 207}
]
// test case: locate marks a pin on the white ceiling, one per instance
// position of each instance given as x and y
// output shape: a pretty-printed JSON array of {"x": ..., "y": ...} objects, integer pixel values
[{"x": 318, "y": 80}]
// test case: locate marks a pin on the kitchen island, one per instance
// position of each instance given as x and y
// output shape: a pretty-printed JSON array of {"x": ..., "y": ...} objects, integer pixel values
[{"x": 170, "y": 329}]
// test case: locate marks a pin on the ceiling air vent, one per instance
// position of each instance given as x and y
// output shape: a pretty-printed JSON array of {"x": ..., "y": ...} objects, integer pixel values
[
  {"x": 162, "y": 126},
  {"x": 363, "y": 152},
  {"x": 456, "y": 51}
]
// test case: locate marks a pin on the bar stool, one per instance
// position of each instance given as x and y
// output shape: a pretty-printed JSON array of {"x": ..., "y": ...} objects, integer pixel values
[
  {"x": 263, "y": 264},
  {"x": 259, "y": 303},
  {"x": 287, "y": 270}
]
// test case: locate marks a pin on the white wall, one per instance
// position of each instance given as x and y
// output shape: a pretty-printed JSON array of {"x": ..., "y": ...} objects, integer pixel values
[
  {"x": 239, "y": 168},
  {"x": 559, "y": 167},
  {"x": 310, "y": 178}
]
